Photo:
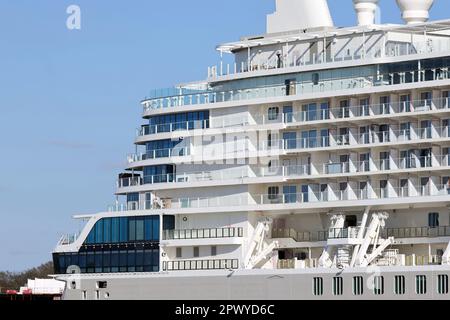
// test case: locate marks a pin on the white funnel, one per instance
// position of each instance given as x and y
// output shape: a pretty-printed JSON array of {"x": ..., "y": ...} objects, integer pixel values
[
  {"x": 415, "y": 11},
  {"x": 365, "y": 11},
  {"x": 299, "y": 15}
]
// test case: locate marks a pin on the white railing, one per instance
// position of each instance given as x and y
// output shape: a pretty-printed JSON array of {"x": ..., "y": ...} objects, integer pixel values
[
  {"x": 249, "y": 199},
  {"x": 330, "y": 168},
  {"x": 293, "y": 61},
  {"x": 292, "y": 89}
]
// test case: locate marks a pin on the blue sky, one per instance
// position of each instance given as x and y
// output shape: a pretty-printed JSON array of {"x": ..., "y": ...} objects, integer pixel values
[{"x": 70, "y": 99}]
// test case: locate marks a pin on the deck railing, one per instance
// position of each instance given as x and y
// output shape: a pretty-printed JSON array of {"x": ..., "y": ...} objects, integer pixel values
[
  {"x": 208, "y": 233},
  {"x": 190, "y": 265}
]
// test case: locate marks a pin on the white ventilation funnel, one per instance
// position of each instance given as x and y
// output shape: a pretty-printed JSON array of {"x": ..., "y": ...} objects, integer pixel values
[
  {"x": 299, "y": 15},
  {"x": 365, "y": 11},
  {"x": 415, "y": 11}
]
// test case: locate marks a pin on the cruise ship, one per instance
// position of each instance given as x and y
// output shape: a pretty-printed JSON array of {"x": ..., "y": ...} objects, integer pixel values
[{"x": 315, "y": 165}]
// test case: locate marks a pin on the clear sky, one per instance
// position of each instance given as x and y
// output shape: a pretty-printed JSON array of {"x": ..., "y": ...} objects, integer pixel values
[{"x": 70, "y": 99}]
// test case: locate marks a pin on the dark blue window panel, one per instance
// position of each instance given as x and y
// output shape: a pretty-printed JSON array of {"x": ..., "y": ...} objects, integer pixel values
[
  {"x": 123, "y": 236},
  {"x": 82, "y": 260},
  {"x": 155, "y": 230},
  {"x": 107, "y": 259},
  {"x": 90, "y": 260},
  {"x": 131, "y": 258},
  {"x": 139, "y": 229},
  {"x": 99, "y": 231},
  {"x": 123, "y": 258},
  {"x": 133, "y": 197},
  {"x": 168, "y": 222},
  {"x": 132, "y": 230},
  {"x": 148, "y": 229},
  {"x": 115, "y": 224},
  {"x": 107, "y": 231},
  {"x": 115, "y": 258},
  {"x": 99, "y": 260}
]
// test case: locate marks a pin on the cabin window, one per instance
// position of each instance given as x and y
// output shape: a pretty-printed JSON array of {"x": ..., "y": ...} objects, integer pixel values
[
  {"x": 433, "y": 219},
  {"x": 421, "y": 284},
  {"x": 196, "y": 252},
  {"x": 378, "y": 285},
  {"x": 442, "y": 284},
  {"x": 315, "y": 78},
  {"x": 318, "y": 286},
  {"x": 179, "y": 253},
  {"x": 338, "y": 286},
  {"x": 399, "y": 285},
  {"x": 358, "y": 286},
  {"x": 213, "y": 251},
  {"x": 274, "y": 193},
  {"x": 273, "y": 113}
]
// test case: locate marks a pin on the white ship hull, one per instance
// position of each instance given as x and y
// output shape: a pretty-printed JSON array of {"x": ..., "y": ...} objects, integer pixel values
[{"x": 258, "y": 285}]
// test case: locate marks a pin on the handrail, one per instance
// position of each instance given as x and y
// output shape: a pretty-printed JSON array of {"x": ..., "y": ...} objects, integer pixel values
[
  {"x": 330, "y": 84},
  {"x": 205, "y": 233},
  {"x": 191, "y": 265}
]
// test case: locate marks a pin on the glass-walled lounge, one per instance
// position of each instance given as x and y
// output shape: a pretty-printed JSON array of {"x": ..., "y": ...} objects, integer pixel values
[{"x": 118, "y": 244}]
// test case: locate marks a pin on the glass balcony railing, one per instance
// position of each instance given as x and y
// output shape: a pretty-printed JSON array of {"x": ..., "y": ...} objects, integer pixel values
[
  {"x": 247, "y": 199},
  {"x": 191, "y": 265},
  {"x": 160, "y": 153},
  {"x": 173, "y": 127},
  {"x": 327, "y": 115},
  {"x": 68, "y": 239},
  {"x": 293, "y": 61},
  {"x": 344, "y": 233},
  {"x": 278, "y": 233},
  {"x": 411, "y": 232},
  {"x": 209, "y": 233},
  {"x": 371, "y": 166},
  {"x": 358, "y": 81}
]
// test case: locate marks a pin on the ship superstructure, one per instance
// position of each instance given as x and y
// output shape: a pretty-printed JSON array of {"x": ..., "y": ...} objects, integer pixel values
[{"x": 317, "y": 165}]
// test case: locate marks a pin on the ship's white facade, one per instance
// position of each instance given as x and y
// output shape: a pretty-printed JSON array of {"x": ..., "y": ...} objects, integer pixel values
[{"x": 315, "y": 166}]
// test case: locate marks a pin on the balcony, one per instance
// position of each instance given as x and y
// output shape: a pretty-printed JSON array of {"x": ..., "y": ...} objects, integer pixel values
[
  {"x": 290, "y": 199},
  {"x": 278, "y": 233},
  {"x": 411, "y": 232},
  {"x": 253, "y": 66},
  {"x": 172, "y": 127},
  {"x": 344, "y": 233},
  {"x": 210, "y": 96},
  {"x": 192, "y": 265},
  {"x": 414, "y": 260},
  {"x": 203, "y": 233},
  {"x": 160, "y": 153}
]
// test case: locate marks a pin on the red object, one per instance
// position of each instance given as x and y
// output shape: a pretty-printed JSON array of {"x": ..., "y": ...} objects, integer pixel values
[
  {"x": 27, "y": 292},
  {"x": 11, "y": 292}
]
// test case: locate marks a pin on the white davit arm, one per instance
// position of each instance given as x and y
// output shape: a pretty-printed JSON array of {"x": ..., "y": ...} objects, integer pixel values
[
  {"x": 360, "y": 236},
  {"x": 378, "y": 251},
  {"x": 263, "y": 257},
  {"x": 371, "y": 235},
  {"x": 256, "y": 244}
]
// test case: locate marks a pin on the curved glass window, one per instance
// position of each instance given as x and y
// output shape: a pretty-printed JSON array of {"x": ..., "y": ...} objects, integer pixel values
[
  {"x": 179, "y": 121},
  {"x": 124, "y": 230}
]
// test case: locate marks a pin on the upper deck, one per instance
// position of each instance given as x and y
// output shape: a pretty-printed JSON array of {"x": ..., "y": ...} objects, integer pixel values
[{"x": 319, "y": 60}]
